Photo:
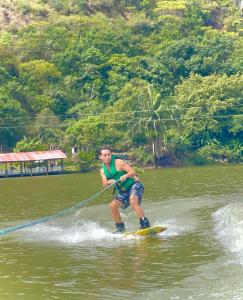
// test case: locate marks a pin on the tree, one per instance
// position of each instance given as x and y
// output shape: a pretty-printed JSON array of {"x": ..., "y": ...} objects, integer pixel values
[
  {"x": 91, "y": 132},
  {"x": 12, "y": 125},
  {"x": 211, "y": 108},
  {"x": 194, "y": 18},
  {"x": 4, "y": 75},
  {"x": 236, "y": 56},
  {"x": 41, "y": 40},
  {"x": 145, "y": 110},
  {"x": 38, "y": 74},
  {"x": 121, "y": 69},
  {"x": 28, "y": 145},
  {"x": 47, "y": 129}
]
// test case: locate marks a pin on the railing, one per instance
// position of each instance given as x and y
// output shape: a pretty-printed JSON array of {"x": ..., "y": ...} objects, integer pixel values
[{"x": 27, "y": 171}]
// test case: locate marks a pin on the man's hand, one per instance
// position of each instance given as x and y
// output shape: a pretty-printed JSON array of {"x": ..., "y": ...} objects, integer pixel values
[
  {"x": 111, "y": 181},
  {"x": 123, "y": 177}
]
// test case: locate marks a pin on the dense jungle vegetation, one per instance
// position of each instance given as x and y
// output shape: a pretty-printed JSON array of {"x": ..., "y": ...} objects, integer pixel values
[{"x": 159, "y": 80}]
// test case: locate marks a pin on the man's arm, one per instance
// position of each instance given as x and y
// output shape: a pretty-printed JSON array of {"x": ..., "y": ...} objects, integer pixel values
[
  {"x": 105, "y": 182},
  {"x": 121, "y": 165}
]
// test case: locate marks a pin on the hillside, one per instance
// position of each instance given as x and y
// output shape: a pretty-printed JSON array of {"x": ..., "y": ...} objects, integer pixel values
[
  {"x": 159, "y": 79},
  {"x": 16, "y": 13}
]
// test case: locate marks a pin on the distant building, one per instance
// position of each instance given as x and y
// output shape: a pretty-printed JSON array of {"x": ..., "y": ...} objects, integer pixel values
[
  {"x": 74, "y": 151},
  {"x": 31, "y": 163}
]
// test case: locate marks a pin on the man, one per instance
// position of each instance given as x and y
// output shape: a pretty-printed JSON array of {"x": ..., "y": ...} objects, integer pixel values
[{"x": 129, "y": 189}]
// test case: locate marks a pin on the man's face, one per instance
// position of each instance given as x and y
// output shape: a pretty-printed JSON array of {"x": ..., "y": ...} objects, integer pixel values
[{"x": 105, "y": 156}]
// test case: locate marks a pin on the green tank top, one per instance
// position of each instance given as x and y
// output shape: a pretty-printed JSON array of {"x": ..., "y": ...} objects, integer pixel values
[{"x": 112, "y": 173}]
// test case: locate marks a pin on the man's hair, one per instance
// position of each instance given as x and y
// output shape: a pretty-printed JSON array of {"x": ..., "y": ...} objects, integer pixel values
[{"x": 104, "y": 148}]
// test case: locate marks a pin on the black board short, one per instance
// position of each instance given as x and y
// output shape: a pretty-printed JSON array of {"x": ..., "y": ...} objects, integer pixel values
[{"x": 136, "y": 189}]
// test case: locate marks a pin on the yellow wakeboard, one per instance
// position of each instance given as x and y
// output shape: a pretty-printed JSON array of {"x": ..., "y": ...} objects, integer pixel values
[{"x": 147, "y": 231}]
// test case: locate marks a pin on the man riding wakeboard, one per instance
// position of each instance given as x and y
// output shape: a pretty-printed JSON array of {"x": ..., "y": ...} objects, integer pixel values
[{"x": 129, "y": 189}]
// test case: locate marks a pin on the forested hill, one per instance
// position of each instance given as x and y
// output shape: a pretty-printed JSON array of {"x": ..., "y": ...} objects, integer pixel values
[
  {"x": 16, "y": 13},
  {"x": 160, "y": 80}
]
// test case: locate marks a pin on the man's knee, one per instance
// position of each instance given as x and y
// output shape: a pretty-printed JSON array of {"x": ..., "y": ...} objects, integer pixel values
[
  {"x": 114, "y": 205},
  {"x": 134, "y": 201}
]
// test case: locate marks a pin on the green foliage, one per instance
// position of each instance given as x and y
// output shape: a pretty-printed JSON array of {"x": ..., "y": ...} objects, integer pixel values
[
  {"x": 177, "y": 143},
  {"x": 86, "y": 159},
  {"x": 91, "y": 132},
  {"x": 195, "y": 159},
  {"x": 236, "y": 57},
  {"x": 174, "y": 5},
  {"x": 4, "y": 76},
  {"x": 86, "y": 108},
  {"x": 211, "y": 107},
  {"x": 38, "y": 74},
  {"x": 26, "y": 145},
  {"x": 41, "y": 40},
  {"x": 11, "y": 115},
  {"x": 142, "y": 156},
  {"x": 222, "y": 153},
  {"x": 62, "y": 6},
  {"x": 195, "y": 17},
  {"x": 47, "y": 129},
  {"x": 157, "y": 75},
  {"x": 36, "y": 9}
]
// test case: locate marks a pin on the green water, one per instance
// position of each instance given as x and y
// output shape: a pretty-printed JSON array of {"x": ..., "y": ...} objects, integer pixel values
[{"x": 76, "y": 256}]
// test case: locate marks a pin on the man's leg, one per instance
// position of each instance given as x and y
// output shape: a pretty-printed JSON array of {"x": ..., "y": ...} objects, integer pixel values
[
  {"x": 115, "y": 205},
  {"x": 136, "y": 207},
  {"x": 144, "y": 222}
]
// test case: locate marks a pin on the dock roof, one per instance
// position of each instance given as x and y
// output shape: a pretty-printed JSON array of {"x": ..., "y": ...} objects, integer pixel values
[{"x": 31, "y": 156}]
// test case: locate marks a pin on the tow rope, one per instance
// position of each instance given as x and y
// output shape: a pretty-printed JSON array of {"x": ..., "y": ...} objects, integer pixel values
[{"x": 59, "y": 214}]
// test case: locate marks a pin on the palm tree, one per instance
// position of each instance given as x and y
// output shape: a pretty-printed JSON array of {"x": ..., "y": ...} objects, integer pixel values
[
  {"x": 162, "y": 112},
  {"x": 149, "y": 112}
]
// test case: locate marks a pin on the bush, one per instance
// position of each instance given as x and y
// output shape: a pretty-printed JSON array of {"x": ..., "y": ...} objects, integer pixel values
[
  {"x": 195, "y": 159},
  {"x": 86, "y": 160},
  {"x": 142, "y": 156},
  {"x": 28, "y": 145},
  {"x": 222, "y": 153}
]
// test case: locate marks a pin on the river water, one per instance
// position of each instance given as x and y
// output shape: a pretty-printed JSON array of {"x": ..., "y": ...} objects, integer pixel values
[{"x": 76, "y": 256}]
